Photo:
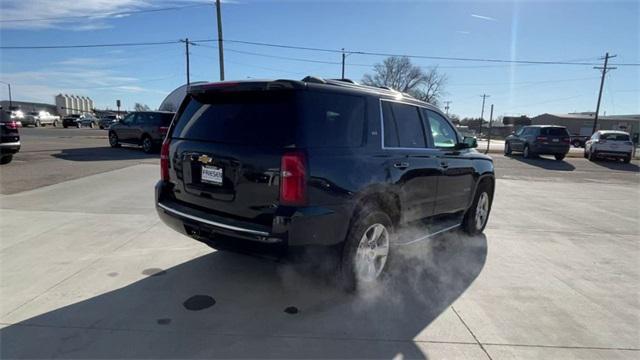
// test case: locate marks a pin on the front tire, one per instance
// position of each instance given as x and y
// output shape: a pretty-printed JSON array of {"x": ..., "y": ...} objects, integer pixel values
[
  {"x": 56, "y": 123},
  {"x": 627, "y": 159},
  {"x": 592, "y": 155},
  {"x": 476, "y": 217},
  {"x": 113, "y": 140},
  {"x": 366, "y": 251},
  {"x": 526, "y": 153},
  {"x": 38, "y": 123}
]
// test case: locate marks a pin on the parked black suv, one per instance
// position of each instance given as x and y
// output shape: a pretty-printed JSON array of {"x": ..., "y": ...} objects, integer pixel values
[
  {"x": 9, "y": 137},
  {"x": 286, "y": 164},
  {"x": 539, "y": 140},
  {"x": 144, "y": 128}
]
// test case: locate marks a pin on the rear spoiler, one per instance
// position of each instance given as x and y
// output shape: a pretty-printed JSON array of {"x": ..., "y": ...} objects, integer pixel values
[{"x": 236, "y": 86}]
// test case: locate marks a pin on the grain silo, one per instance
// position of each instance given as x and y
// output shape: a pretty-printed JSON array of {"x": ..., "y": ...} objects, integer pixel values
[{"x": 63, "y": 104}]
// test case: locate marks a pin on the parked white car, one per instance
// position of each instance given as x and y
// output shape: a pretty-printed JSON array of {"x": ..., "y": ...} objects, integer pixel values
[
  {"x": 47, "y": 118},
  {"x": 609, "y": 144}
]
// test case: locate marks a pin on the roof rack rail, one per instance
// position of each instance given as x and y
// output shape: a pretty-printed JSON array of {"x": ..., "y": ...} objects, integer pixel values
[
  {"x": 314, "y": 79},
  {"x": 387, "y": 88},
  {"x": 346, "y": 80}
]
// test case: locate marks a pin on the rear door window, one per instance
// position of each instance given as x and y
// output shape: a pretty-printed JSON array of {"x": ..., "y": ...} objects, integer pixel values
[
  {"x": 390, "y": 130},
  {"x": 332, "y": 120},
  {"x": 409, "y": 126}
]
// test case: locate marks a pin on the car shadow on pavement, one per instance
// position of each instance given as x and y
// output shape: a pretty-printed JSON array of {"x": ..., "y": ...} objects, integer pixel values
[
  {"x": 617, "y": 165},
  {"x": 545, "y": 163},
  {"x": 104, "y": 154},
  {"x": 230, "y": 305}
]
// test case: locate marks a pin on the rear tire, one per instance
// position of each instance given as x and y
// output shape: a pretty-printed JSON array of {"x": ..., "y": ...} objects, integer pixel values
[
  {"x": 477, "y": 216},
  {"x": 559, "y": 157},
  {"x": 507, "y": 149},
  {"x": 56, "y": 123},
  {"x": 5, "y": 159},
  {"x": 78, "y": 125},
  {"x": 627, "y": 159},
  {"x": 147, "y": 144},
  {"x": 363, "y": 249}
]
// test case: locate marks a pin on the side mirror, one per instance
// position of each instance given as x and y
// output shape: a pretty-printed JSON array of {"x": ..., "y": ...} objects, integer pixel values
[{"x": 468, "y": 142}]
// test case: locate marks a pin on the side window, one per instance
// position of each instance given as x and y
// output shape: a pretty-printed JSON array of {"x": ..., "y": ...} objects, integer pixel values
[
  {"x": 409, "y": 126},
  {"x": 141, "y": 119},
  {"x": 520, "y": 132},
  {"x": 333, "y": 120},
  {"x": 390, "y": 130},
  {"x": 128, "y": 120},
  {"x": 444, "y": 136}
]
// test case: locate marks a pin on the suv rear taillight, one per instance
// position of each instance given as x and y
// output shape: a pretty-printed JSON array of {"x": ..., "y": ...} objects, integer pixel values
[
  {"x": 541, "y": 138},
  {"x": 164, "y": 160},
  {"x": 293, "y": 179},
  {"x": 12, "y": 124},
  {"x": 164, "y": 130}
]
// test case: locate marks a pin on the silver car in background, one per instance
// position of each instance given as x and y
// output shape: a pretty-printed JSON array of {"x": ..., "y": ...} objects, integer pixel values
[{"x": 609, "y": 144}]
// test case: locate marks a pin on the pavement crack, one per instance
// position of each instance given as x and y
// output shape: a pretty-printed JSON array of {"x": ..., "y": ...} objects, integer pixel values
[{"x": 472, "y": 334}]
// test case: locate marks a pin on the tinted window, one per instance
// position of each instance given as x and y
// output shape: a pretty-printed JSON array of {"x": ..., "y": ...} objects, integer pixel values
[
  {"x": 409, "y": 126},
  {"x": 554, "y": 131},
  {"x": 332, "y": 120},
  {"x": 390, "y": 130},
  {"x": 158, "y": 119},
  {"x": 444, "y": 136},
  {"x": 614, "y": 137},
  {"x": 252, "y": 118}
]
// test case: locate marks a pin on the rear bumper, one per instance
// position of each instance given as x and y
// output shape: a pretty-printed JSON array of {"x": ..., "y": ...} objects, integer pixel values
[
  {"x": 10, "y": 148},
  {"x": 550, "y": 149},
  {"x": 609, "y": 153},
  {"x": 291, "y": 227}
]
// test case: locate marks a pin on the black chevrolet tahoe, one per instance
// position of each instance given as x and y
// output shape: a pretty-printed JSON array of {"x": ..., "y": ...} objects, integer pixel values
[{"x": 286, "y": 164}]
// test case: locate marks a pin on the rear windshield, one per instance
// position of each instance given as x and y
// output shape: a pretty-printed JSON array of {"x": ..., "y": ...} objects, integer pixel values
[
  {"x": 274, "y": 118},
  {"x": 554, "y": 131},
  {"x": 614, "y": 137}
]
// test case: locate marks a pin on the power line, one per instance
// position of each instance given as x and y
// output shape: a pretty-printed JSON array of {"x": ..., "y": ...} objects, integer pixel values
[
  {"x": 89, "y": 45},
  {"x": 110, "y": 14},
  {"x": 340, "y": 51},
  {"x": 336, "y": 51}
]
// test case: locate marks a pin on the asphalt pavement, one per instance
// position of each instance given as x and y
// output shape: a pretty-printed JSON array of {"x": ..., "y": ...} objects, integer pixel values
[{"x": 88, "y": 271}]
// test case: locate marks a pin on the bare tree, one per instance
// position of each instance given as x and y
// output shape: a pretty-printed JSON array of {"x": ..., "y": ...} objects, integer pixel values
[
  {"x": 141, "y": 107},
  {"x": 398, "y": 73}
]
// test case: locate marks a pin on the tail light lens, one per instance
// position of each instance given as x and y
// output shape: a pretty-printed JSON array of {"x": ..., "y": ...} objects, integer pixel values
[
  {"x": 12, "y": 124},
  {"x": 541, "y": 138},
  {"x": 164, "y": 130},
  {"x": 164, "y": 160},
  {"x": 293, "y": 179}
]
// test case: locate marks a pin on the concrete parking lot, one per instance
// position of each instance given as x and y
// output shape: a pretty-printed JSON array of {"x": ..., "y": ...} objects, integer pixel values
[{"x": 88, "y": 271}]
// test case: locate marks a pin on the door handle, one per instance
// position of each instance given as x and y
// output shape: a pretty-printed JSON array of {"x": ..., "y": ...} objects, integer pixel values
[{"x": 401, "y": 165}]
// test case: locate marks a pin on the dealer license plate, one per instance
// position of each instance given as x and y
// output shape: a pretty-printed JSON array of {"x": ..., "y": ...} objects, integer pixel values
[{"x": 211, "y": 175}]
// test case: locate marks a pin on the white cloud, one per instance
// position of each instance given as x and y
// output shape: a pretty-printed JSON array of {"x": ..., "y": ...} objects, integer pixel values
[
  {"x": 463, "y": 32},
  {"x": 488, "y": 18},
  {"x": 79, "y": 15}
]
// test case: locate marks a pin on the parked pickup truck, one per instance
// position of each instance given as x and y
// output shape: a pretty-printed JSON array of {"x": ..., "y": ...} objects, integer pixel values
[{"x": 579, "y": 140}]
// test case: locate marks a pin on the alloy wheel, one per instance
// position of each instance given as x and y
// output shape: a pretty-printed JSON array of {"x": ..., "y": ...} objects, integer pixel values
[
  {"x": 372, "y": 253},
  {"x": 482, "y": 210}
]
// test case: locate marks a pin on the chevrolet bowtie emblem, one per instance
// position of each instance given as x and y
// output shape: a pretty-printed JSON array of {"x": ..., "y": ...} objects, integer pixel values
[{"x": 205, "y": 159}]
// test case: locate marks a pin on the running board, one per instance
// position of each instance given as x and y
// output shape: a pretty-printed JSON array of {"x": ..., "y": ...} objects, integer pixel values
[{"x": 430, "y": 231}]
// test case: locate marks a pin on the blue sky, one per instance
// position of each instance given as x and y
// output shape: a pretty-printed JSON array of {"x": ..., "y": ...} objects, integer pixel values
[{"x": 521, "y": 30}]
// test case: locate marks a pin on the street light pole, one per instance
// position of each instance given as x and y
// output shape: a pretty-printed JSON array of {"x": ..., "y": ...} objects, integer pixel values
[{"x": 10, "y": 101}]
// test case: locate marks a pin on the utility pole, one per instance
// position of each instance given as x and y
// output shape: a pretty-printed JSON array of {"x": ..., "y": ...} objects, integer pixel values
[
  {"x": 343, "y": 57},
  {"x": 604, "y": 72},
  {"x": 186, "y": 52},
  {"x": 446, "y": 108},
  {"x": 489, "y": 135},
  {"x": 484, "y": 97},
  {"x": 220, "y": 49},
  {"x": 10, "y": 101}
]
